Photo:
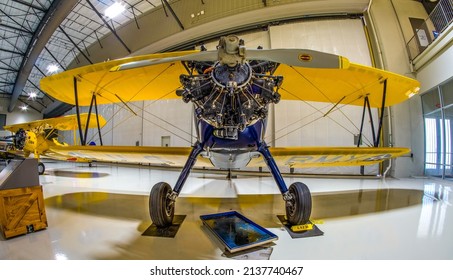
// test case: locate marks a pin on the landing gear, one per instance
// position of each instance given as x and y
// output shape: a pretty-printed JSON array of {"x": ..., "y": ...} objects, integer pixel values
[
  {"x": 161, "y": 205},
  {"x": 41, "y": 168},
  {"x": 162, "y": 198},
  {"x": 297, "y": 197},
  {"x": 298, "y": 206}
]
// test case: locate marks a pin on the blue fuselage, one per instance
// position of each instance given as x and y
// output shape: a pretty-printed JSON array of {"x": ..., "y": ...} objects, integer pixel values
[{"x": 231, "y": 153}]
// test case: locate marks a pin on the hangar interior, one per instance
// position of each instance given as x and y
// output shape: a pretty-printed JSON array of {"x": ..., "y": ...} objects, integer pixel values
[{"x": 100, "y": 212}]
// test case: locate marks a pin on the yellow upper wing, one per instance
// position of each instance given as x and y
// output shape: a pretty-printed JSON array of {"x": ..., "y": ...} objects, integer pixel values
[
  {"x": 60, "y": 123},
  {"x": 347, "y": 85},
  {"x": 146, "y": 83}
]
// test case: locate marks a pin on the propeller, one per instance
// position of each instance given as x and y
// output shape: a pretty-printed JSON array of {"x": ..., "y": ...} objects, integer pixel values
[
  {"x": 300, "y": 58},
  {"x": 201, "y": 56},
  {"x": 232, "y": 51}
]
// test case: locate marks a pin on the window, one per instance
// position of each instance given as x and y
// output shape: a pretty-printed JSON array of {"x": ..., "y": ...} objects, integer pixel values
[
  {"x": 2, "y": 121},
  {"x": 438, "y": 118}
]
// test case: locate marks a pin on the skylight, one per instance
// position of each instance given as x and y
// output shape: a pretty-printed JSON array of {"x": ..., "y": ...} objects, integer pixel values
[{"x": 114, "y": 10}]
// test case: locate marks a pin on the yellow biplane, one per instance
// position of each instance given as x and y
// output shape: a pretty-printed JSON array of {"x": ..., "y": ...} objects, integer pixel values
[
  {"x": 38, "y": 137},
  {"x": 231, "y": 89}
]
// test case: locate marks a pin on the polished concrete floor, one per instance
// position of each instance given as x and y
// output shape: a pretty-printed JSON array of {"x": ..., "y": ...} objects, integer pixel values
[{"x": 102, "y": 211}]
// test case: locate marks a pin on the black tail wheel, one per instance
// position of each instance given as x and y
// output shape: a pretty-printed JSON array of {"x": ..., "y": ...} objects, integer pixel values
[
  {"x": 298, "y": 208},
  {"x": 161, "y": 207},
  {"x": 41, "y": 168}
]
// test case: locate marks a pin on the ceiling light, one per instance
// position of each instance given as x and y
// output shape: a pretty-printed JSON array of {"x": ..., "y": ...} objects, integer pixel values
[
  {"x": 32, "y": 95},
  {"x": 52, "y": 69},
  {"x": 114, "y": 10},
  {"x": 24, "y": 107}
]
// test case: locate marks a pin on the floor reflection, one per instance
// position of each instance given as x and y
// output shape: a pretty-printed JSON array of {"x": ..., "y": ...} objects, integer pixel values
[
  {"x": 350, "y": 203},
  {"x": 77, "y": 174},
  {"x": 261, "y": 208}
]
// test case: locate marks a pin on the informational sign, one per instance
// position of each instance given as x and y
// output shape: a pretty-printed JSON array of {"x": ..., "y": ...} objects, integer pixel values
[{"x": 422, "y": 37}]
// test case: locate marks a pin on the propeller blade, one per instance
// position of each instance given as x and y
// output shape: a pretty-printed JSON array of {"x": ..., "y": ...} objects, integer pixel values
[
  {"x": 300, "y": 58},
  {"x": 293, "y": 57},
  {"x": 201, "y": 56}
]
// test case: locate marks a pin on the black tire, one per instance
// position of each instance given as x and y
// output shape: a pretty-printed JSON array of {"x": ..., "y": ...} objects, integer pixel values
[
  {"x": 161, "y": 208},
  {"x": 41, "y": 168},
  {"x": 298, "y": 209}
]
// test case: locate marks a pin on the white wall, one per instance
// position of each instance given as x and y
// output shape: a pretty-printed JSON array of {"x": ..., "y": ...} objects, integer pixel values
[
  {"x": 16, "y": 116},
  {"x": 437, "y": 70},
  {"x": 392, "y": 29}
]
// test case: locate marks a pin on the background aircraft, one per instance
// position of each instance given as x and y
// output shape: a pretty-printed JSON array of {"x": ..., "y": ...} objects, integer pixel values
[
  {"x": 38, "y": 137},
  {"x": 231, "y": 89}
]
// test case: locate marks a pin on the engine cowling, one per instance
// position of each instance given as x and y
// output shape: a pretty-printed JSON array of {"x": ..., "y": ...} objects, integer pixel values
[
  {"x": 19, "y": 139},
  {"x": 231, "y": 98}
]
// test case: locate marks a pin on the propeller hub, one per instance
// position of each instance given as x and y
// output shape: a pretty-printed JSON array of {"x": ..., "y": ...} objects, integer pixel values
[
  {"x": 231, "y": 77},
  {"x": 231, "y": 51}
]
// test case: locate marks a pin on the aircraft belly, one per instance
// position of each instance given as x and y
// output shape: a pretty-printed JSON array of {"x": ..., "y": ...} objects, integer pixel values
[{"x": 231, "y": 159}]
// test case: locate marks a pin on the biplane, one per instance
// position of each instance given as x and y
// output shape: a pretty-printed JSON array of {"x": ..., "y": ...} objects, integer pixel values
[
  {"x": 38, "y": 137},
  {"x": 231, "y": 89}
]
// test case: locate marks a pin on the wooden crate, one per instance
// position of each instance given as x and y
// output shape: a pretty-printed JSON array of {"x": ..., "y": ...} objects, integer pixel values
[{"x": 22, "y": 211}]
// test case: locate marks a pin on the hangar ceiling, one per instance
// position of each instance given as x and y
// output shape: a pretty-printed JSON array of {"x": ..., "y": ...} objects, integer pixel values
[
  {"x": 39, "y": 37},
  {"x": 69, "y": 27}
]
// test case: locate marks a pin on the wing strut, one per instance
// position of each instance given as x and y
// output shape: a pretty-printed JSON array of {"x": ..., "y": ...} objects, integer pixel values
[
  {"x": 83, "y": 136},
  {"x": 366, "y": 106},
  {"x": 79, "y": 123}
]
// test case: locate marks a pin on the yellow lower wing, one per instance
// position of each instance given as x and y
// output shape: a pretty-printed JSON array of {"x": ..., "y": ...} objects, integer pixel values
[
  {"x": 165, "y": 156},
  {"x": 297, "y": 157},
  {"x": 305, "y": 157}
]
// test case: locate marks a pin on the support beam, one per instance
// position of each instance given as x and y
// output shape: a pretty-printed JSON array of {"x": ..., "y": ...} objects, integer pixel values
[
  {"x": 26, "y": 103},
  {"x": 10, "y": 51},
  {"x": 109, "y": 27},
  {"x": 8, "y": 69},
  {"x": 54, "y": 16},
  {"x": 30, "y": 5},
  {"x": 13, "y": 20},
  {"x": 75, "y": 45},
  {"x": 54, "y": 58},
  {"x": 15, "y": 28},
  {"x": 45, "y": 94},
  {"x": 173, "y": 14}
]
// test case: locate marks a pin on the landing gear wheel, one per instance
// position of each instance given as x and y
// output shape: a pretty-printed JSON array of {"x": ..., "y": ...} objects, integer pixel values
[
  {"x": 161, "y": 208},
  {"x": 41, "y": 168},
  {"x": 298, "y": 209}
]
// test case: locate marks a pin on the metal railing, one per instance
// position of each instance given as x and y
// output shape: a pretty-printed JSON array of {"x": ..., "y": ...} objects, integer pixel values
[{"x": 439, "y": 19}]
